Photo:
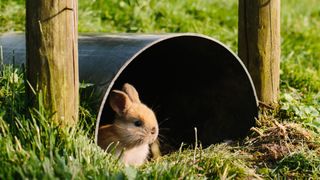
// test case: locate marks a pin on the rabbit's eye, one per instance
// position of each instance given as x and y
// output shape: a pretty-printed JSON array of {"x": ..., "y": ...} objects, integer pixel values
[{"x": 138, "y": 123}]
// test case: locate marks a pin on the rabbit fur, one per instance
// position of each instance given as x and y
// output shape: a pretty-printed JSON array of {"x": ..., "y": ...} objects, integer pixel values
[{"x": 135, "y": 127}]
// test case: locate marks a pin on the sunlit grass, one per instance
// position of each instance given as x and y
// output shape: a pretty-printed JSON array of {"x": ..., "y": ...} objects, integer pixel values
[{"x": 33, "y": 147}]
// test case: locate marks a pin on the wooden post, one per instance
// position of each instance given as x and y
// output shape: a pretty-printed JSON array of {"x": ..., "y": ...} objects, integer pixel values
[
  {"x": 259, "y": 45},
  {"x": 52, "y": 56}
]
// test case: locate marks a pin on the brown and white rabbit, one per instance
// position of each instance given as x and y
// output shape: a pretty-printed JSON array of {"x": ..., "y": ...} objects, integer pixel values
[{"x": 134, "y": 129}]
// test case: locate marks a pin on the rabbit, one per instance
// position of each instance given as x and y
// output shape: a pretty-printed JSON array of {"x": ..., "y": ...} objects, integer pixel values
[{"x": 134, "y": 129}]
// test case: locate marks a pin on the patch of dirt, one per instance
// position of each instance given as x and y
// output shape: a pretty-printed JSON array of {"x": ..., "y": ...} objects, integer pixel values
[{"x": 273, "y": 140}]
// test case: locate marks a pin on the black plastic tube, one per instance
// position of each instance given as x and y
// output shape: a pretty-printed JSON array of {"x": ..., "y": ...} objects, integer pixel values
[{"x": 190, "y": 80}]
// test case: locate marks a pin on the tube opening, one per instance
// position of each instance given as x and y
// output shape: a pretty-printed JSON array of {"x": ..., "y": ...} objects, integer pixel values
[{"x": 191, "y": 82}]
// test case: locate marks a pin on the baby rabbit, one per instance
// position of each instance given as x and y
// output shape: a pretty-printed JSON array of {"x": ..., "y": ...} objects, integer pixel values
[{"x": 134, "y": 129}]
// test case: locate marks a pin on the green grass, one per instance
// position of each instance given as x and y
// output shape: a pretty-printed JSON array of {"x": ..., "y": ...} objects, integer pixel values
[
  {"x": 300, "y": 65},
  {"x": 285, "y": 142},
  {"x": 152, "y": 16},
  {"x": 35, "y": 147},
  {"x": 12, "y": 15}
]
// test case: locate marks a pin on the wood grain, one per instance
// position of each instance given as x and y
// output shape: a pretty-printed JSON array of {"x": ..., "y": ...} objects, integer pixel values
[
  {"x": 52, "y": 56},
  {"x": 259, "y": 45}
]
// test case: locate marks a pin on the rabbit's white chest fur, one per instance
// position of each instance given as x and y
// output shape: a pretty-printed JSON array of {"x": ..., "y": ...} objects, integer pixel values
[{"x": 136, "y": 156}]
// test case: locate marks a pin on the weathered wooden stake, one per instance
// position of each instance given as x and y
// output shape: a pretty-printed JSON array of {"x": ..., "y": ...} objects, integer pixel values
[
  {"x": 259, "y": 45},
  {"x": 52, "y": 56}
]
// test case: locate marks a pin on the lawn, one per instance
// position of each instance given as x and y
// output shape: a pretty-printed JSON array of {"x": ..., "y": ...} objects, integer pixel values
[{"x": 285, "y": 142}]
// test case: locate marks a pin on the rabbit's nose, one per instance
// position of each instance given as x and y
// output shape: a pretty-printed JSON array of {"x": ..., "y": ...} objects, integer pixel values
[{"x": 153, "y": 130}]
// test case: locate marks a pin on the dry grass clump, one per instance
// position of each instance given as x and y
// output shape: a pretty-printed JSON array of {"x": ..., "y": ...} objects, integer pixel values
[{"x": 272, "y": 141}]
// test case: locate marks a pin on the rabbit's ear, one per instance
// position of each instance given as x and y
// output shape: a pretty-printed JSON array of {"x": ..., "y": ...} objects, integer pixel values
[
  {"x": 119, "y": 101},
  {"x": 132, "y": 92}
]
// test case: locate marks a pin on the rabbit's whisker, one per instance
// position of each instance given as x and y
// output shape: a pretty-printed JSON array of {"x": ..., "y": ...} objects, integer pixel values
[
  {"x": 160, "y": 123},
  {"x": 162, "y": 139}
]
